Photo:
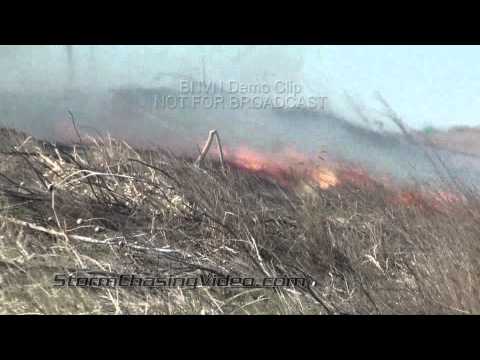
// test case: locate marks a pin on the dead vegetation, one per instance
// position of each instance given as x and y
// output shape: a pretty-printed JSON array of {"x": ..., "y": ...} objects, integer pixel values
[{"x": 112, "y": 209}]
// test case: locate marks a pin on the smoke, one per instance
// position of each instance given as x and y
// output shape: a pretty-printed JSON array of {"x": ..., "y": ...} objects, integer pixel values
[{"x": 42, "y": 82}]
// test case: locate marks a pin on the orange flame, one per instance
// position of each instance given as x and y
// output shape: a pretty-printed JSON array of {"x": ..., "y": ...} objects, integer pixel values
[
  {"x": 324, "y": 178},
  {"x": 280, "y": 165},
  {"x": 251, "y": 160}
]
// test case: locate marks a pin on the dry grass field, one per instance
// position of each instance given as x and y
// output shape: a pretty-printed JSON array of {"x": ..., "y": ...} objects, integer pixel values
[{"x": 109, "y": 209}]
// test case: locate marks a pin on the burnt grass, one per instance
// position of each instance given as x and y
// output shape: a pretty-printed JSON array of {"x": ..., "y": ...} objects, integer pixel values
[{"x": 108, "y": 209}]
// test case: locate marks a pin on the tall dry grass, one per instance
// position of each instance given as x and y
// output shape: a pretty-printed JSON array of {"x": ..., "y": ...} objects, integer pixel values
[{"x": 114, "y": 209}]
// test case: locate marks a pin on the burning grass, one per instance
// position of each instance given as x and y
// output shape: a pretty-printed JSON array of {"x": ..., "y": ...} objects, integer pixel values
[{"x": 365, "y": 247}]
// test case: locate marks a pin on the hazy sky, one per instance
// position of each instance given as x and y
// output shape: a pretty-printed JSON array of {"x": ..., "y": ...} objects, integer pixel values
[{"x": 426, "y": 85}]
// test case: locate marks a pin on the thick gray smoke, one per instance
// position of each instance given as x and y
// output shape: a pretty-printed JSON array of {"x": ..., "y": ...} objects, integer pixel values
[{"x": 172, "y": 96}]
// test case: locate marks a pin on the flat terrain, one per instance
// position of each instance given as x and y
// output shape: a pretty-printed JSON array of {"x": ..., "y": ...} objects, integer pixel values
[{"x": 461, "y": 139}]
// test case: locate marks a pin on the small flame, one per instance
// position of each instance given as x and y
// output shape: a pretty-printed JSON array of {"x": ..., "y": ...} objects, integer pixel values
[
  {"x": 427, "y": 200},
  {"x": 325, "y": 178},
  {"x": 279, "y": 165},
  {"x": 251, "y": 160}
]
